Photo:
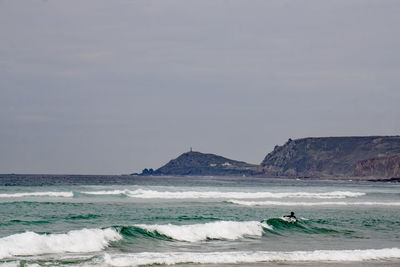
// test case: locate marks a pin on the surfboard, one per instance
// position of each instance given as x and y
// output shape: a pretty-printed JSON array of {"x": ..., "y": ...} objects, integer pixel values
[{"x": 289, "y": 219}]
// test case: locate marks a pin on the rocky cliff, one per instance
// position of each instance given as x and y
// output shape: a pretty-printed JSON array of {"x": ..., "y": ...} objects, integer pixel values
[
  {"x": 327, "y": 156},
  {"x": 196, "y": 163},
  {"x": 379, "y": 167}
]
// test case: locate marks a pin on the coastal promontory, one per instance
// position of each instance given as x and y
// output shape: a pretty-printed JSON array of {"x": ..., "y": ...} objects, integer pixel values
[
  {"x": 365, "y": 157},
  {"x": 197, "y": 163},
  {"x": 329, "y": 156},
  {"x": 379, "y": 167}
]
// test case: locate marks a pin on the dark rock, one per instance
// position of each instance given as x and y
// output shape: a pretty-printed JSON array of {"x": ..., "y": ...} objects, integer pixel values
[
  {"x": 196, "y": 163},
  {"x": 379, "y": 167},
  {"x": 147, "y": 172},
  {"x": 326, "y": 156}
]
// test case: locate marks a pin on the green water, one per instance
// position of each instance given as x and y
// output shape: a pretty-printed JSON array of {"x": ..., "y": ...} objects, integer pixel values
[{"x": 198, "y": 221}]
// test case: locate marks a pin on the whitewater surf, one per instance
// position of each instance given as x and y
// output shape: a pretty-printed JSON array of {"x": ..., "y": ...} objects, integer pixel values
[{"x": 198, "y": 222}]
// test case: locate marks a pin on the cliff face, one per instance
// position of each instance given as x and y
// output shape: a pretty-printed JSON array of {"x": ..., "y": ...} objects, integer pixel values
[
  {"x": 196, "y": 163},
  {"x": 379, "y": 167},
  {"x": 326, "y": 156}
]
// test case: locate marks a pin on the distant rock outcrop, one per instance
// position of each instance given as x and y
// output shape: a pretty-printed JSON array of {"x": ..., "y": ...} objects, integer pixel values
[
  {"x": 327, "y": 156},
  {"x": 379, "y": 167},
  {"x": 333, "y": 157},
  {"x": 196, "y": 163}
]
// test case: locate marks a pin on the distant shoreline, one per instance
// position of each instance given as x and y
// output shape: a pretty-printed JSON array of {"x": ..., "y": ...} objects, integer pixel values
[
  {"x": 333, "y": 158},
  {"x": 128, "y": 177},
  {"x": 356, "y": 158}
]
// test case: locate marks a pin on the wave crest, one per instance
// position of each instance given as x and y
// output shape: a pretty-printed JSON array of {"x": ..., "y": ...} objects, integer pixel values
[
  {"x": 30, "y": 243},
  {"x": 37, "y": 194},
  {"x": 170, "y": 258},
  {"x": 325, "y": 203},
  {"x": 224, "y": 230},
  {"x": 148, "y": 194}
]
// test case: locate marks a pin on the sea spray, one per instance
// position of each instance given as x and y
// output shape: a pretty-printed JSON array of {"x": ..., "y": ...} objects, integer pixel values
[
  {"x": 223, "y": 230},
  {"x": 153, "y": 194},
  {"x": 107, "y": 192},
  {"x": 30, "y": 243},
  {"x": 237, "y": 257}
]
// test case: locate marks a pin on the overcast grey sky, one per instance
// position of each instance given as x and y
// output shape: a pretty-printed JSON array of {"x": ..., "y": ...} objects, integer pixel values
[{"x": 110, "y": 87}]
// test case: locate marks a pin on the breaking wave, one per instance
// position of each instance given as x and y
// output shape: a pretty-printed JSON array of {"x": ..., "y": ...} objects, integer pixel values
[
  {"x": 170, "y": 258},
  {"x": 223, "y": 230},
  {"x": 107, "y": 192},
  {"x": 324, "y": 203},
  {"x": 30, "y": 243},
  {"x": 148, "y": 194},
  {"x": 229, "y": 230},
  {"x": 37, "y": 194}
]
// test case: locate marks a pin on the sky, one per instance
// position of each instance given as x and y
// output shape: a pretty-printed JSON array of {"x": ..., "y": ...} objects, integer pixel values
[{"x": 113, "y": 87}]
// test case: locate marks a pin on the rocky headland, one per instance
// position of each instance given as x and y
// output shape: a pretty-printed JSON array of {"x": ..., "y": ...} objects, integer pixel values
[
  {"x": 327, "y": 156},
  {"x": 196, "y": 163},
  {"x": 365, "y": 157},
  {"x": 379, "y": 167}
]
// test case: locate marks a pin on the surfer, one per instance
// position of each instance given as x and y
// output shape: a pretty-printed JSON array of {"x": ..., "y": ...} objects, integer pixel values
[{"x": 291, "y": 216}]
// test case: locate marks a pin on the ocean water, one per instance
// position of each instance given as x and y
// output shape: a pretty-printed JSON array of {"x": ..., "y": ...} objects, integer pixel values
[{"x": 196, "y": 221}]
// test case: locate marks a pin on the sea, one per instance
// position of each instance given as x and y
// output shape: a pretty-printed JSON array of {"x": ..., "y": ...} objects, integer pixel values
[{"x": 92, "y": 220}]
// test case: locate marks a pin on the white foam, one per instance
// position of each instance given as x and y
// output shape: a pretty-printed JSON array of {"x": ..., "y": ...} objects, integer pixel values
[
  {"x": 10, "y": 264},
  {"x": 288, "y": 219},
  {"x": 37, "y": 194},
  {"x": 30, "y": 243},
  {"x": 107, "y": 192},
  {"x": 323, "y": 203},
  {"x": 225, "y": 230},
  {"x": 149, "y": 194},
  {"x": 170, "y": 258}
]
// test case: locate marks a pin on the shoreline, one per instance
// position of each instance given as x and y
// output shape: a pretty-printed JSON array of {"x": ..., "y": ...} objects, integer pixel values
[{"x": 322, "y": 178}]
